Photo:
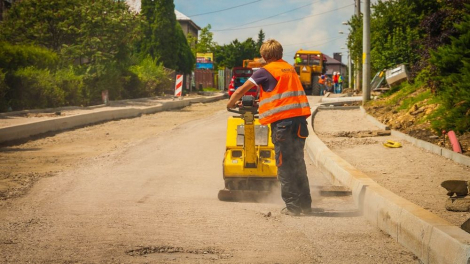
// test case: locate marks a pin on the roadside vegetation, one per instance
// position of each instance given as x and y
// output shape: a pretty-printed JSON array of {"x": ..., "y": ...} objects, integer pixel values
[
  {"x": 63, "y": 52},
  {"x": 432, "y": 39},
  {"x": 66, "y": 52}
]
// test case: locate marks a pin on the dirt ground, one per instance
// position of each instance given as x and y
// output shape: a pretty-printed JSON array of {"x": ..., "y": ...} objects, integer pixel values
[
  {"x": 409, "y": 172},
  {"x": 22, "y": 164},
  {"x": 113, "y": 193},
  {"x": 411, "y": 122}
]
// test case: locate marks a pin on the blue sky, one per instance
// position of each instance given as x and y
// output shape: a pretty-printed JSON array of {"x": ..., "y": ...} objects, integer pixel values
[{"x": 296, "y": 24}]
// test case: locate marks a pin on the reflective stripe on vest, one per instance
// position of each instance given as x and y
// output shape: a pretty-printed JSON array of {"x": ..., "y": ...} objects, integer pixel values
[
  {"x": 282, "y": 109},
  {"x": 287, "y": 99},
  {"x": 281, "y": 96}
]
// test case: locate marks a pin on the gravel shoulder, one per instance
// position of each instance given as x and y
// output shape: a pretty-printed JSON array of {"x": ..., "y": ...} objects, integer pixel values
[{"x": 410, "y": 172}]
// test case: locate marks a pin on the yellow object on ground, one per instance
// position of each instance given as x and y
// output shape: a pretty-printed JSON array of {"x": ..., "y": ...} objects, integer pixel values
[{"x": 392, "y": 144}]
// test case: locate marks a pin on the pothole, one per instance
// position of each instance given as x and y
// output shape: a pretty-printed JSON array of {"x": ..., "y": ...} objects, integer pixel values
[{"x": 145, "y": 250}]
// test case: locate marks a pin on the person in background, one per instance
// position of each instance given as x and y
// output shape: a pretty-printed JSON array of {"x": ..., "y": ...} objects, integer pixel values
[
  {"x": 340, "y": 83},
  {"x": 322, "y": 82},
  {"x": 284, "y": 105},
  {"x": 298, "y": 60},
  {"x": 329, "y": 84},
  {"x": 335, "y": 82}
]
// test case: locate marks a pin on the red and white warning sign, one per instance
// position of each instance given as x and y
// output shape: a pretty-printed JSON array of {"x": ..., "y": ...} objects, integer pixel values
[{"x": 179, "y": 85}]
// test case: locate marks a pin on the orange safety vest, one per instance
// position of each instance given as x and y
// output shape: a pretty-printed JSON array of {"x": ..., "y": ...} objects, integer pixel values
[{"x": 287, "y": 99}]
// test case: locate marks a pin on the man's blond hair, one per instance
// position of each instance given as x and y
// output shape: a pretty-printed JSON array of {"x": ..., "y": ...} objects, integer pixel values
[{"x": 271, "y": 50}]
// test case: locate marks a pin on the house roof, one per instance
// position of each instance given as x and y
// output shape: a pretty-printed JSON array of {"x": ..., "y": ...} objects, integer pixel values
[
  {"x": 330, "y": 60},
  {"x": 182, "y": 17},
  {"x": 136, "y": 6}
]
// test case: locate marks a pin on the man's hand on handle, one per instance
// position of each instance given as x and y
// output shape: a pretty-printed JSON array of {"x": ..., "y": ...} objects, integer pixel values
[{"x": 237, "y": 95}]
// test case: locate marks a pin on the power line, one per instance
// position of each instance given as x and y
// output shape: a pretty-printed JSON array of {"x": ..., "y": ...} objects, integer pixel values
[
  {"x": 316, "y": 44},
  {"x": 273, "y": 15},
  {"x": 287, "y": 20},
  {"x": 225, "y": 9},
  {"x": 308, "y": 42}
]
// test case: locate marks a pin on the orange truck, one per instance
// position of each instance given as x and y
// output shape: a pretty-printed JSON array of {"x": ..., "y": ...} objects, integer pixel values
[{"x": 254, "y": 63}]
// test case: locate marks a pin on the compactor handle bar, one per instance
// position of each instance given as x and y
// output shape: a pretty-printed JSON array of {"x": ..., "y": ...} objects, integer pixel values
[{"x": 246, "y": 104}]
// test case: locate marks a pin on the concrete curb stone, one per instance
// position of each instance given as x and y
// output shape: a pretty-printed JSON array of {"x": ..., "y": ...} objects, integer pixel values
[
  {"x": 431, "y": 238},
  {"x": 102, "y": 114}
]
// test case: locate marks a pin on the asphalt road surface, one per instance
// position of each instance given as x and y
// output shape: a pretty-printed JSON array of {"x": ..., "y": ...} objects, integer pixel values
[{"x": 154, "y": 200}]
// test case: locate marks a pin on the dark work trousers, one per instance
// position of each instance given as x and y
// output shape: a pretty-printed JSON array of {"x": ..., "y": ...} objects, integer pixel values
[{"x": 288, "y": 136}]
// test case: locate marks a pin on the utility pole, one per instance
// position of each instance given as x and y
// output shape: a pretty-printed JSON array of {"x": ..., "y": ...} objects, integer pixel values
[
  {"x": 366, "y": 53},
  {"x": 358, "y": 7},
  {"x": 357, "y": 71},
  {"x": 349, "y": 69}
]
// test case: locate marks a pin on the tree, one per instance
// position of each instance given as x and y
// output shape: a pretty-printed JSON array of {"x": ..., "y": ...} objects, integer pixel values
[
  {"x": 453, "y": 79},
  {"x": 97, "y": 31},
  {"x": 260, "y": 41},
  {"x": 233, "y": 54},
  {"x": 159, "y": 40},
  {"x": 163, "y": 38},
  {"x": 40, "y": 22},
  {"x": 394, "y": 27},
  {"x": 396, "y": 32},
  {"x": 205, "y": 43},
  {"x": 186, "y": 61},
  {"x": 355, "y": 40}
]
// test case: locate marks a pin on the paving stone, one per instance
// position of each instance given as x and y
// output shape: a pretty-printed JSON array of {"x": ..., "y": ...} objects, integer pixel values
[
  {"x": 458, "y": 204},
  {"x": 460, "y": 188}
]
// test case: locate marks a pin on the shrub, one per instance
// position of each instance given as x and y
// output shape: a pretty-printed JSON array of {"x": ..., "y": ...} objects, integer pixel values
[
  {"x": 3, "y": 92},
  {"x": 35, "y": 88},
  {"x": 72, "y": 86},
  {"x": 152, "y": 76},
  {"x": 100, "y": 77},
  {"x": 13, "y": 57},
  {"x": 453, "y": 80}
]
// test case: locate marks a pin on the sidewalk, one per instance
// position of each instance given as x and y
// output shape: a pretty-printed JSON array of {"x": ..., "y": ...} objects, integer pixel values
[
  {"x": 398, "y": 190},
  {"x": 23, "y": 124}
]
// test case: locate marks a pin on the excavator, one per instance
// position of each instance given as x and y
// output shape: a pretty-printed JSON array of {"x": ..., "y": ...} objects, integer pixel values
[{"x": 249, "y": 164}]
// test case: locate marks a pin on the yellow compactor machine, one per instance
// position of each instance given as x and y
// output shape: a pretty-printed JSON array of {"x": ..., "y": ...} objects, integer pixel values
[{"x": 249, "y": 165}]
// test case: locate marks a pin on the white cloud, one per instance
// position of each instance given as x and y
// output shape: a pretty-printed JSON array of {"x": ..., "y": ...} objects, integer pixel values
[{"x": 318, "y": 30}]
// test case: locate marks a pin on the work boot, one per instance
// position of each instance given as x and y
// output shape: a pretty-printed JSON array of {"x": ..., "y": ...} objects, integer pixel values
[{"x": 289, "y": 212}]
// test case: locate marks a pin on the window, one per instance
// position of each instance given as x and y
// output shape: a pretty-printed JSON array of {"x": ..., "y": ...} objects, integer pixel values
[{"x": 314, "y": 59}]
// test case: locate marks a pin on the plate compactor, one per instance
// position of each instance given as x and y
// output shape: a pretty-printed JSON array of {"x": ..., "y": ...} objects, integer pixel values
[{"x": 249, "y": 165}]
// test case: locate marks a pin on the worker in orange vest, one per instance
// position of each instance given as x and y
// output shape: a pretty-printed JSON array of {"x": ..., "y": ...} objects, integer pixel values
[
  {"x": 284, "y": 105},
  {"x": 322, "y": 81},
  {"x": 335, "y": 82}
]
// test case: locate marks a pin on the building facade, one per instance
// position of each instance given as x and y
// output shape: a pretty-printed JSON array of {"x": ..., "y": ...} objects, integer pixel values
[{"x": 335, "y": 65}]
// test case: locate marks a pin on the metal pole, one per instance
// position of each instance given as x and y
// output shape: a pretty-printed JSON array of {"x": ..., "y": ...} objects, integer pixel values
[
  {"x": 357, "y": 71},
  {"x": 349, "y": 70},
  {"x": 358, "y": 7},
  {"x": 366, "y": 54}
]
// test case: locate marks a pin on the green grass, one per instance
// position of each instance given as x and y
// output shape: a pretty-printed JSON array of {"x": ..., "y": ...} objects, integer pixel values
[
  {"x": 210, "y": 89},
  {"x": 408, "y": 102}
]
